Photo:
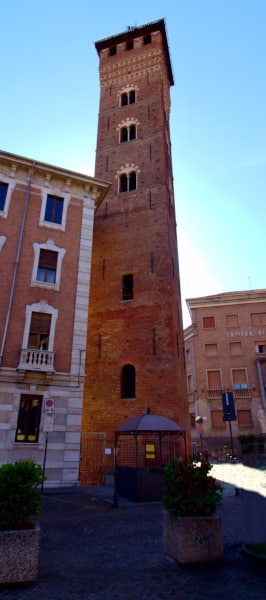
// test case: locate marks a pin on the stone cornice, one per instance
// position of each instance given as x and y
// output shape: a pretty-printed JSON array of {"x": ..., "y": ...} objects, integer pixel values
[
  {"x": 21, "y": 169},
  {"x": 228, "y": 298}
]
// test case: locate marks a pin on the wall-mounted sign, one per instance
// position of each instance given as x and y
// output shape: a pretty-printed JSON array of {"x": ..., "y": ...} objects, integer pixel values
[
  {"x": 48, "y": 424},
  {"x": 49, "y": 406},
  {"x": 228, "y": 406}
]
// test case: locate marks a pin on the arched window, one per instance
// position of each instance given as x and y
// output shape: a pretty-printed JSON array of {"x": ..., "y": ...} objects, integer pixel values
[
  {"x": 132, "y": 132},
  {"x": 127, "y": 182},
  {"x": 128, "y": 377},
  {"x": 124, "y": 99},
  {"x": 132, "y": 180},
  {"x": 123, "y": 134},
  {"x": 128, "y": 133},
  {"x": 132, "y": 97},
  {"x": 128, "y": 97},
  {"x": 123, "y": 183}
]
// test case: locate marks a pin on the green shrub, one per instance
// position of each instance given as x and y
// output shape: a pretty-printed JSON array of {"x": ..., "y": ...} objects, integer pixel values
[
  {"x": 20, "y": 494},
  {"x": 189, "y": 490},
  {"x": 247, "y": 438},
  {"x": 247, "y": 442}
]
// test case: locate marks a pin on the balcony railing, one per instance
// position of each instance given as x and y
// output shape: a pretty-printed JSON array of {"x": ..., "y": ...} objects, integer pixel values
[
  {"x": 242, "y": 393},
  {"x": 36, "y": 360},
  {"x": 238, "y": 393},
  {"x": 212, "y": 394}
]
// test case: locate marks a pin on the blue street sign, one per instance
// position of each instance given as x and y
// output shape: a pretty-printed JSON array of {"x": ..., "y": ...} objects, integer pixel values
[{"x": 228, "y": 406}]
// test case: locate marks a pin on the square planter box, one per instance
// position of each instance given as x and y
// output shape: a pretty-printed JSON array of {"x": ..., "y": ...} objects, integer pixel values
[
  {"x": 19, "y": 555},
  {"x": 192, "y": 539}
]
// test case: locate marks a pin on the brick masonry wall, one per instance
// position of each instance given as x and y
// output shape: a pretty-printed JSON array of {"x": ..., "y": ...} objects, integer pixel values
[{"x": 134, "y": 233}]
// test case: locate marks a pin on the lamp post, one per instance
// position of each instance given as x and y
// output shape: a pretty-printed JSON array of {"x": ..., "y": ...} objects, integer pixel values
[{"x": 199, "y": 421}]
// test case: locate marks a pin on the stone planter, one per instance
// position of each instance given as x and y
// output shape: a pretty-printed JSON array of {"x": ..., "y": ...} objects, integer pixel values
[
  {"x": 19, "y": 555},
  {"x": 192, "y": 539}
]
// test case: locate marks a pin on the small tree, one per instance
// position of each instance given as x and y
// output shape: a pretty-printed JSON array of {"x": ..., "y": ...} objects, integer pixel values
[
  {"x": 20, "y": 494},
  {"x": 189, "y": 490}
]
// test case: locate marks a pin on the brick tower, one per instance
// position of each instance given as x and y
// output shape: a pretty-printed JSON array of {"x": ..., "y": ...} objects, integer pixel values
[{"x": 135, "y": 350}]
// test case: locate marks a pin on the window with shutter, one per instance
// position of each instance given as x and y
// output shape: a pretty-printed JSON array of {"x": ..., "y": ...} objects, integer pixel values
[
  {"x": 214, "y": 380},
  {"x": 208, "y": 322},
  {"x": 47, "y": 266},
  {"x": 244, "y": 418},
  {"x": 39, "y": 331},
  {"x": 217, "y": 418}
]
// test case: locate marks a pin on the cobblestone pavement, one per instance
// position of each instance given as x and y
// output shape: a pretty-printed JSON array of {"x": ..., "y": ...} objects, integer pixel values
[{"x": 91, "y": 551}]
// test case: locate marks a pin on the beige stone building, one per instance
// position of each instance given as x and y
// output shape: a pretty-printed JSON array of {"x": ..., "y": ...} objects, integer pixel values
[
  {"x": 225, "y": 348},
  {"x": 46, "y": 229}
]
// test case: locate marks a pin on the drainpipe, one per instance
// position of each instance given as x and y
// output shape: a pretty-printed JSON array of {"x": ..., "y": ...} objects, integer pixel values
[
  {"x": 261, "y": 380},
  {"x": 16, "y": 263}
]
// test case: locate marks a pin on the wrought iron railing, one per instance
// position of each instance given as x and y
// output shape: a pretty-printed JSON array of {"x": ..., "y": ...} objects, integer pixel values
[{"x": 238, "y": 393}]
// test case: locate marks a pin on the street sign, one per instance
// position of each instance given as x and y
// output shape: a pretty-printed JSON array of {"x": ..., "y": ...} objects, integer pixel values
[
  {"x": 49, "y": 406},
  {"x": 228, "y": 406},
  {"x": 48, "y": 424}
]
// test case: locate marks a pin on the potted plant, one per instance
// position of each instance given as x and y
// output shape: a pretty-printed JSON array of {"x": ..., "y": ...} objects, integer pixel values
[
  {"x": 191, "y": 531},
  {"x": 20, "y": 503}
]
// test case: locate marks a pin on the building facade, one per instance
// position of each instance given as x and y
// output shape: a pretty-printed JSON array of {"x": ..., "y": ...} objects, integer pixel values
[
  {"x": 135, "y": 351},
  {"x": 225, "y": 348},
  {"x": 46, "y": 230}
]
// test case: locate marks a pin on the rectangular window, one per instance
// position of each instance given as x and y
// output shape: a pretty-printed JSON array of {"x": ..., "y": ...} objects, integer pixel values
[
  {"x": 260, "y": 347},
  {"x": 127, "y": 287},
  {"x": 244, "y": 418},
  {"x": 47, "y": 266},
  {"x": 147, "y": 39},
  {"x": 211, "y": 349},
  {"x": 3, "y": 193},
  {"x": 214, "y": 380},
  {"x": 258, "y": 319},
  {"x": 54, "y": 209},
  {"x": 208, "y": 322},
  {"x": 189, "y": 384},
  {"x": 29, "y": 417},
  {"x": 130, "y": 45},
  {"x": 239, "y": 379},
  {"x": 39, "y": 331},
  {"x": 217, "y": 419},
  {"x": 235, "y": 348},
  {"x": 232, "y": 321}
]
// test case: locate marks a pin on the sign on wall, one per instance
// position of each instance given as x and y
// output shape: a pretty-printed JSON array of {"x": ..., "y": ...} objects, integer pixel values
[{"x": 228, "y": 406}]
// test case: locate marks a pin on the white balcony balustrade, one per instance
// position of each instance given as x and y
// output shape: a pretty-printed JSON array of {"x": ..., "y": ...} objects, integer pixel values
[{"x": 36, "y": 360}]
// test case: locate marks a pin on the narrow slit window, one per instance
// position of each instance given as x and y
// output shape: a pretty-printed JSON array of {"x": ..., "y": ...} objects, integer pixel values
[
  {"x": 128, "y": 382},
  {"x": 127, "y": 287}
]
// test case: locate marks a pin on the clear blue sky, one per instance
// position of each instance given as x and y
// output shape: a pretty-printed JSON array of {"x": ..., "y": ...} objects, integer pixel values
[{"x": 49, "y": 109}]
